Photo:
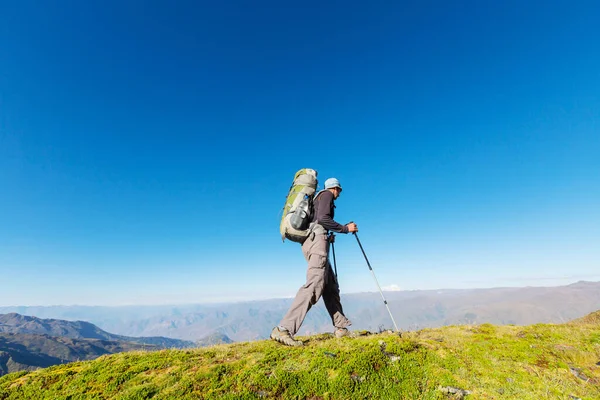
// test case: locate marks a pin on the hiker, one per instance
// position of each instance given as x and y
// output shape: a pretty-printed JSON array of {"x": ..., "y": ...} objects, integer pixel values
[{"x": 320, "y": 279}]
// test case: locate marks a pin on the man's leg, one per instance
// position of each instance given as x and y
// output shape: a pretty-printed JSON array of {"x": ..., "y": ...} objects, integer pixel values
[
  {"x": 315, "y": 252},
  {"x": 331, "y": 298}
]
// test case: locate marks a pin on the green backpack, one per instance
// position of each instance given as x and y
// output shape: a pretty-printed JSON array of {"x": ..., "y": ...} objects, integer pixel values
[{"x": 298, "y": 208}]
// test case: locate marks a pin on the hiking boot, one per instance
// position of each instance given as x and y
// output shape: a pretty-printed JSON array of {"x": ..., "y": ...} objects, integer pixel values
[
  {"x": 342, "y": 332},
  {"x": 283, "y": 336}
]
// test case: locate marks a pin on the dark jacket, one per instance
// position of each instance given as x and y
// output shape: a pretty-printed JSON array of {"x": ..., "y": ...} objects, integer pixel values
[{"x": 324, "y": 212}]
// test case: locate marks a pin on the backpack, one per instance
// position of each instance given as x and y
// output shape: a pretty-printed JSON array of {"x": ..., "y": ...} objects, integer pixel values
[{"x": 298, "y": 208}]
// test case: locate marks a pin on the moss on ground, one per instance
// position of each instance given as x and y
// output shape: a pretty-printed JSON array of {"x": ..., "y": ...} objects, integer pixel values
[{"x": 492, "y": 362}]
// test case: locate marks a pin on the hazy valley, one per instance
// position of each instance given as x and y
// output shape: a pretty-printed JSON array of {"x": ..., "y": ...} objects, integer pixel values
[{"x": 412, "y": 310}]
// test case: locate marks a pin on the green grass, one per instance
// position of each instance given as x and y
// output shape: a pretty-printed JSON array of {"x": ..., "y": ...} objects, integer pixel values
[{"x": 492, "y": 362}]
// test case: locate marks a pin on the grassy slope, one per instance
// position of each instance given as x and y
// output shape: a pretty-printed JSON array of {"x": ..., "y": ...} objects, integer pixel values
[{"x": 507, "y": 362}]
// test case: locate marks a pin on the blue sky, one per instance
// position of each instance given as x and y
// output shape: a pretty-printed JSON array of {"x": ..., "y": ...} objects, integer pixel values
[{"x": 146, "y": 148}]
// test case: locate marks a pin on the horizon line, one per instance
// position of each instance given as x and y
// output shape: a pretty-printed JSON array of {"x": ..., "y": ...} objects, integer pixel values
[{"x": 290, "y": 297}]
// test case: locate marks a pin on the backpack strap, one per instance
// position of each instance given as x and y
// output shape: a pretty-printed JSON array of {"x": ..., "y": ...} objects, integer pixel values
[
  {"x": 318, "y": 193},
  {"x": 313, "y": 225}
]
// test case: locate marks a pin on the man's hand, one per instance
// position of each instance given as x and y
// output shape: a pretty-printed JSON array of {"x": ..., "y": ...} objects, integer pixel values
[{"x": 352, "y": 227}]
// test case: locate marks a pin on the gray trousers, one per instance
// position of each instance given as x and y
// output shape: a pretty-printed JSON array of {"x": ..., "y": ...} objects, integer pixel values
[{"x": 320, "y": 281}]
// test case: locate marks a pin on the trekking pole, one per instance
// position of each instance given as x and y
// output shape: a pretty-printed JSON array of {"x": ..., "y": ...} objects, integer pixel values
[
  {"x": 376, "y": 282},
  {"x": 334, "y": 264}
]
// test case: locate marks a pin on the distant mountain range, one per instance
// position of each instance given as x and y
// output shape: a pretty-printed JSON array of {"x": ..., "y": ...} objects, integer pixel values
[
  {"x": 412, "y": 310},
  {"x": 23, "y": 351},
  {"x": 28, "y": 343},
  {"x": 215, "y": 338},
  {"x": 16, "y": 323}
]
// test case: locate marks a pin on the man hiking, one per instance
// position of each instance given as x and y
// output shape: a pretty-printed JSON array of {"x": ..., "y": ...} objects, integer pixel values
[{"x": 320, "y": 279}]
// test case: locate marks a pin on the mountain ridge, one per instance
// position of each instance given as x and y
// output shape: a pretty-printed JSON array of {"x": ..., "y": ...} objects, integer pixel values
[
  {"x": 17, "y": 323},
  {"x": 29, "y": 343},
  {"x": 25, "y": 351}
]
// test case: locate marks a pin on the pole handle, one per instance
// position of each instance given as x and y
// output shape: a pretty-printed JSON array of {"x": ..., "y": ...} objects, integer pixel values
[{"x": 351, "y": 222}]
